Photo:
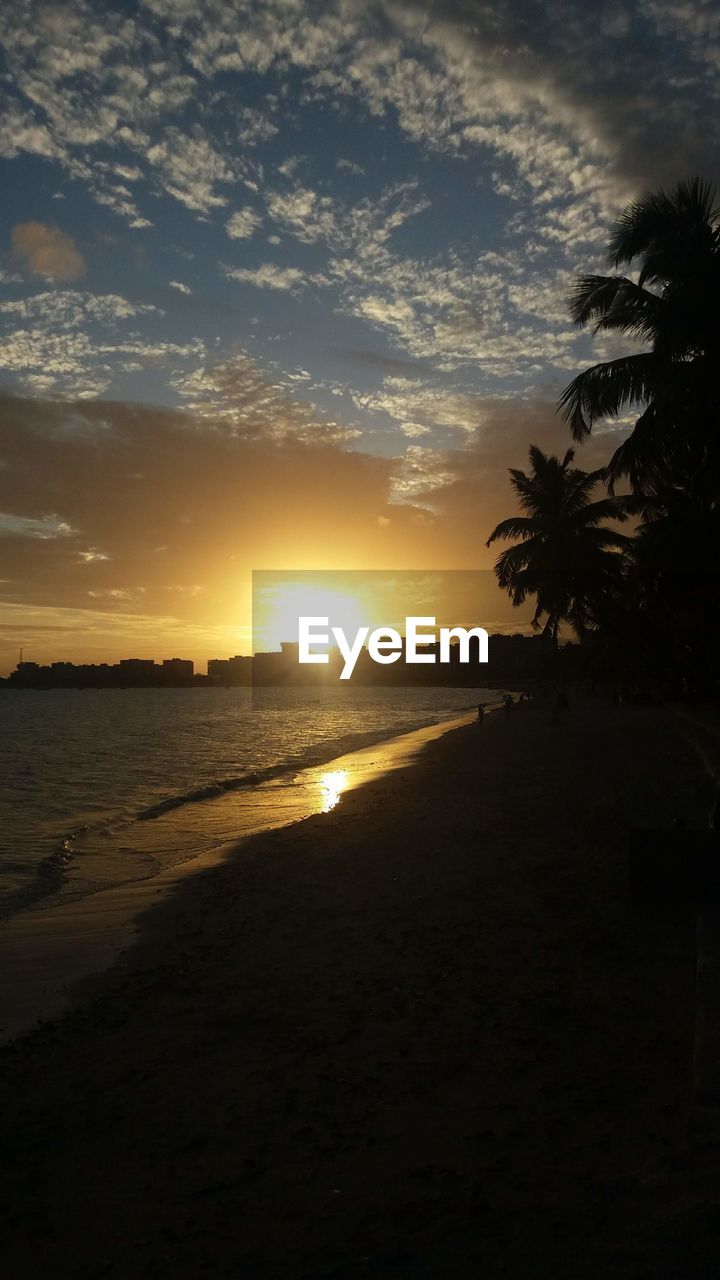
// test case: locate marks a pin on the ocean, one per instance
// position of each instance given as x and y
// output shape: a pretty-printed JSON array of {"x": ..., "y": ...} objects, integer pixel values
[{"x": 105, "y": 786}]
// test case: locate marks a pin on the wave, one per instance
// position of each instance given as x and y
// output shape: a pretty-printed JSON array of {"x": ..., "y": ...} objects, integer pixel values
[
  {"x": 52, "y": 871},
  {"x": 308, "y": 759}
]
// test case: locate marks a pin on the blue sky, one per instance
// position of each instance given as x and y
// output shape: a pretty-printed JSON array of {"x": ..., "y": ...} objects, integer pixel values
[{"x": 345, "y": 226}]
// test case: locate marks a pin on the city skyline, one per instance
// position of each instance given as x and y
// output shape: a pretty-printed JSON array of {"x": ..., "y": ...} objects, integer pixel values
[{"x": 461, "y": 664}]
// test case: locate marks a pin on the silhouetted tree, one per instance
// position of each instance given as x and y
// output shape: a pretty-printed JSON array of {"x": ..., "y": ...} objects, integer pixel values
[
  {"x": 674, "y": 308},
  {"x": 672, "y": 571},
  {"x": 565, "y": 556}
]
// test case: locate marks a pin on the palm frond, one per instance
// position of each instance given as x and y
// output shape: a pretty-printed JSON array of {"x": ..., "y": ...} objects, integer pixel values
[
  {"x": 514, "y": 527},
  {"x": 638, "y": 226},
  {"x": 604, "y": 389},
  {"x": 664, "y": 449},
  {"x": 609, "y": 538},
  {"x": 666, "y": 230},
  {"x": 511, "y": 572},
  {"x": 605, "y": 508},
  {"x": 616, "y": 303}
]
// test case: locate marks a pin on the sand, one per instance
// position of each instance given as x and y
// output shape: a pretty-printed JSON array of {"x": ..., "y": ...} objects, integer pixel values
[
  {"x": 47, "y": 951},
  {"x": 424, "y": 1034}
]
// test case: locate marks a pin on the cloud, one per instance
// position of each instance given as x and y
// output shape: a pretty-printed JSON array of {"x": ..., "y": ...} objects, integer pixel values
[
  {"x": 570, "y": 130},
  {"x": 70, "y": 308},
  {"x": 75, "y": 343},
  {"x": 492, "y": 311},
  {"x": 590, "y": 107},
  {"x": 191, "y": 168},
  {"x": 246, "y": 401},
  {"x": 311, "y": 217},
  {"x": 349, "y": 166},
  {"x": 28, "y": 526},
  {"x": 92, "y": 554},
  {"x": 305, "y": 214},
  {"x": 19, "y": 132},
  {"x": 117, "y": 198},
  {"x": 467, "y": 485},
  {"x": 181, "y": 288},
  {"x": 254, "y": 127},
  {"x": 268, "y": 276},
  {"x": 243, "y": 223},
  {"x": 421, "y": 407},
  {"x": 47, "y": 251}
]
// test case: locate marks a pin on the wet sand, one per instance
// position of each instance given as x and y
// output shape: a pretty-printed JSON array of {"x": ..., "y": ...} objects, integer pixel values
[
  {"x": 421, "y": 1035},
  {"x": 46, "y": 951}
]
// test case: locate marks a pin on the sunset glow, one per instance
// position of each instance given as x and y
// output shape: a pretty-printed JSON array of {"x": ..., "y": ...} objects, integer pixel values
[
  {"x": 277, "y": 609},
  {"x": 288, "y": 291},
  {"x": 332, "y": 785}
]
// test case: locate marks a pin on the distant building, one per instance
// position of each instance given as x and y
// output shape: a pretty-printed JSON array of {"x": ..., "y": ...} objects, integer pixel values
[
  {"x": 240, "y": 669},
  {"x": 128, "y": 673},
  {"x": 510, "y": 657},
  {"x": 231, "y": 671},
  {"x": 179, "y": 668}
]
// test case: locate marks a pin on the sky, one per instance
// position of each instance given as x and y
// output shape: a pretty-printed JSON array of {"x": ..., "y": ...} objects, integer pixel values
[{"x": 283, "y": 285}]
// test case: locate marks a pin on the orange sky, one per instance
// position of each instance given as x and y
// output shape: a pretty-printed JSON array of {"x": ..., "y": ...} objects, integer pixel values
[{"x": 141, "y": 527}]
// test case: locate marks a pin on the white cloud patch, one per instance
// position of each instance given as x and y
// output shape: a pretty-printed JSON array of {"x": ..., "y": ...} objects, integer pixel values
[
  {"x": 45, "y": 527},
  {"x": 268, "y": 276},
  {"x": 310, "y": 217},
  {"x": 421, "y": 408},
  {"x": 243, "y": 223},
  {"x": 305, "y": 214},
  {"x": 238, "y": 394},
  {"x": 192, "y": 169},
  {"x": 21, "y": 132},
  {"x": 255, "y": 127},
  {"x": 70, "y": 308},
  {"x": 71, "y": 343},
  {"x": 419, "y": 473},
  {"x": 92, "y": 555}
]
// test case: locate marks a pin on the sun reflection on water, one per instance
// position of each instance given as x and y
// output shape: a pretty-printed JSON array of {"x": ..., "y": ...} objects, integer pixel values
[{"x": 332, "y": 786}]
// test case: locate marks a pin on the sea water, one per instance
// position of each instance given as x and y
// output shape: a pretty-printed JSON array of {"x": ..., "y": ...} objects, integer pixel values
[{"x": 102, "y": 786}]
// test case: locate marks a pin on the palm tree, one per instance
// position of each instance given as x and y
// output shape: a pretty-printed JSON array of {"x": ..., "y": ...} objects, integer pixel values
[
  {"x": 672, "y": 572},
  {"x": 673, "y": 307},
  {"x": 565, "y": 557}
]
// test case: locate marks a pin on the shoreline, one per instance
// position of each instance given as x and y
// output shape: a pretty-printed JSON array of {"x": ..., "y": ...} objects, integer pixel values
[
  {"x": 421, "y": 1034},
  {"x": 53, "y": 952}
]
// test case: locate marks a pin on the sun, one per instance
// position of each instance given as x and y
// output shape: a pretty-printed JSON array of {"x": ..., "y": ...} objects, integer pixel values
[{"x": 278, "y": 606}]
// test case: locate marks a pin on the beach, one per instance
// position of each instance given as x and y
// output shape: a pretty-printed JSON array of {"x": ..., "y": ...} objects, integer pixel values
[{"x": 422, "y": 1034}]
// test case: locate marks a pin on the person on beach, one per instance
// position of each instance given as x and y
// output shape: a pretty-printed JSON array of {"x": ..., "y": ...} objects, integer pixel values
[
  {"x": 481, "y": 712},
  {"x": 508, "y": 705}
]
